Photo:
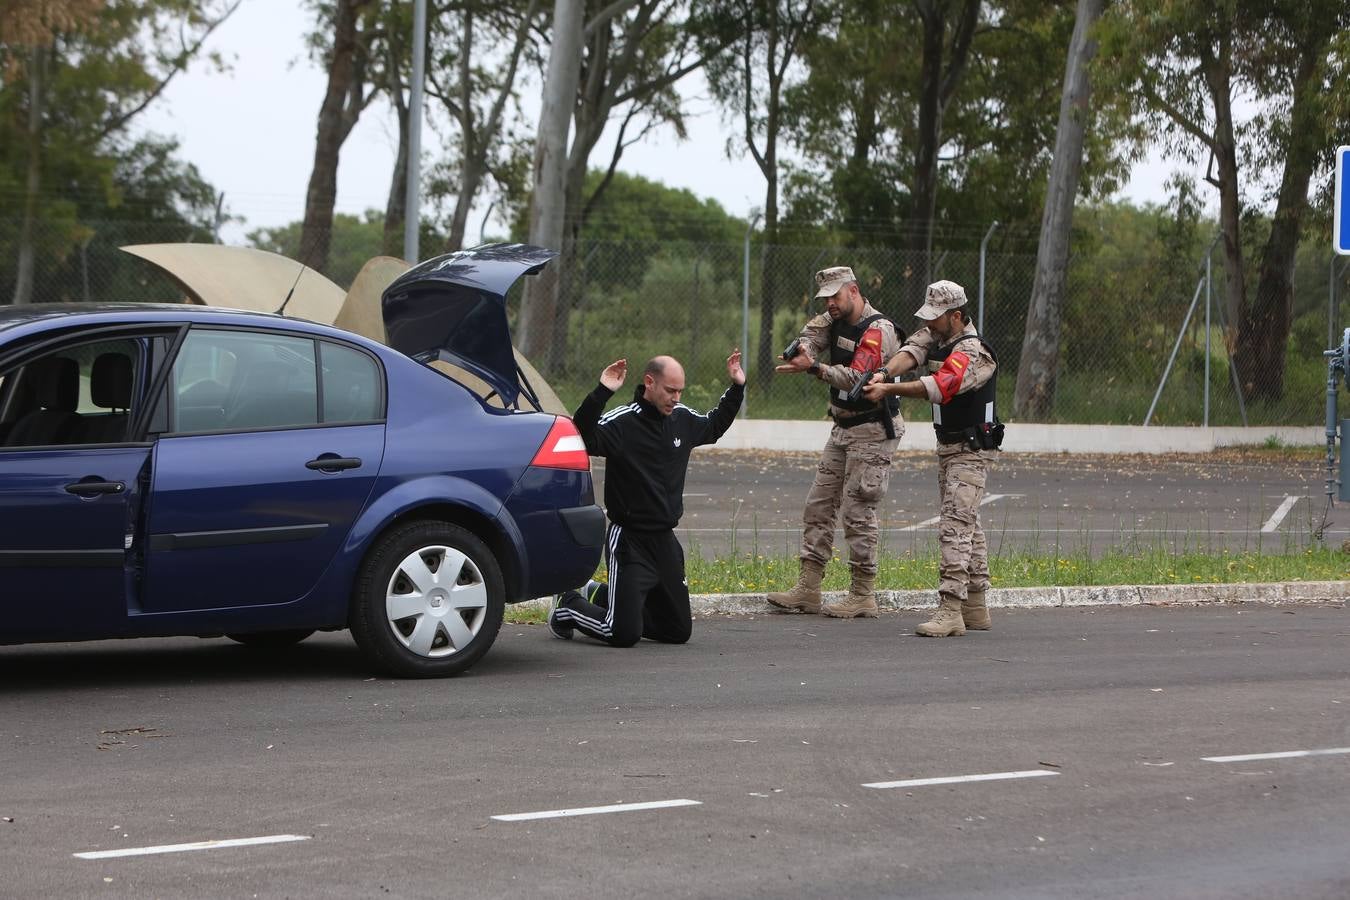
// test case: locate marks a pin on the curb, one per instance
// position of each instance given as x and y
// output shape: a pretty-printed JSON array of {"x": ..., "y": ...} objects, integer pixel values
[{"x": 1052, "y": 597}]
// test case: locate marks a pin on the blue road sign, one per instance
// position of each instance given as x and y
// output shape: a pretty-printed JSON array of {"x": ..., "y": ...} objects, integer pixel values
[{"x": 1340, "y": 235}]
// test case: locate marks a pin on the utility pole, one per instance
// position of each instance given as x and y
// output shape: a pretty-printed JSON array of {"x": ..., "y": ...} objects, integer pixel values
[{"x": 412, "y": 217}]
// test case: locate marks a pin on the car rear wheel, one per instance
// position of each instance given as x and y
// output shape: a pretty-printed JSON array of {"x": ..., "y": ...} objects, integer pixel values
[
  {"x": 428, "y": 602},
  {"x": 272, "y": 640}
]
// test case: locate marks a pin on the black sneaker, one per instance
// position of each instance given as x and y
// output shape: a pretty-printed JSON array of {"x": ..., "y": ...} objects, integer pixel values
[{"x": 560, "y": 629}]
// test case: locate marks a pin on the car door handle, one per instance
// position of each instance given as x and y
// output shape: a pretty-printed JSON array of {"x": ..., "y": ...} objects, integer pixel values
[
  {"x": 330, "y": 462},
  {"x": 94, "y": 488}
]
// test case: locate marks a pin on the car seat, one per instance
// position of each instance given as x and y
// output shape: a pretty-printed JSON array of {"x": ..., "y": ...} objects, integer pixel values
[{"x": 56, "y": 384}]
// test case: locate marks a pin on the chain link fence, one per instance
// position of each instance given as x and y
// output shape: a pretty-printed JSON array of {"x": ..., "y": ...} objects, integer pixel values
[{"x": 1122, "y": 318}]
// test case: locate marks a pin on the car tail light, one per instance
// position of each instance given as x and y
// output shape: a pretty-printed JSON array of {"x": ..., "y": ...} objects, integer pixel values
[{"x": 563, "y": 448}]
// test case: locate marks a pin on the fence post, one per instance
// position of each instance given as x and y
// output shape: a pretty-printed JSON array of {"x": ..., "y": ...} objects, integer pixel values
[
  {"x": 1209, "y": 277},
  {"x": 979, "y": 324},
  {"x": 745, "y": 304}
]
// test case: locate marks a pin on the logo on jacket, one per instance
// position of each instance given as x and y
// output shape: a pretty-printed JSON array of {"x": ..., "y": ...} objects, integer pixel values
[{"x": 677, "y": 442}]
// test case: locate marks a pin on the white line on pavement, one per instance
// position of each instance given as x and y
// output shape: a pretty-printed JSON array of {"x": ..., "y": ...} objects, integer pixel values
[
  {"x": 200, "y": 845},
  {"x": 594, "y": 810},
  {"x": 959, "y": 779},
  {"x": 1280, "y": 512},
  {"x": 989, "y": 498},
  {"x": 1287, "y": 754}
]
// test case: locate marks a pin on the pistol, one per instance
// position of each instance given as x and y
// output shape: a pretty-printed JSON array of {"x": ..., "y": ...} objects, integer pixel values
[
  {"x": 855, "y": 393},
  {"x": 792, "y": 349}
]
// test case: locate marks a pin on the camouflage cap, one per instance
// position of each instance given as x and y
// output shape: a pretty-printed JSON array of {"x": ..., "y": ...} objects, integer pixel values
[
  {"x": 829, "y": 281},
  {"x": 942, "y": 296}
]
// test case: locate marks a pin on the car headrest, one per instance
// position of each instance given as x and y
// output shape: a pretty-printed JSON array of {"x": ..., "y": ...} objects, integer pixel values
[
  {"x": 57, "y": 380},
  {"x": 110, "y": 381}
]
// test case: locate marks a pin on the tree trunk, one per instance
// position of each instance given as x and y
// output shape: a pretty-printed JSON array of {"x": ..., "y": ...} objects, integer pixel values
[
  {"x": 24, "y": 265},
  {"x": 333, "y": 128},
  {"x": 1218, "y": 78},
  {"x": 548, "y": 203},
  {"x": 396, "y": 207},
  {"x": 769, "y": 275},
  {"x": 923, "y": 191},
  {"x": 471, "y": 178},
  {"x": 1263, "y": 335},
  {"x": 1037, "y": 372},
  {"x": 937, "y": 82}
]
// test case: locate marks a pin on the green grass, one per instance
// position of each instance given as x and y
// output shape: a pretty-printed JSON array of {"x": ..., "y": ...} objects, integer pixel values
[{"x": 745, "y": 575}]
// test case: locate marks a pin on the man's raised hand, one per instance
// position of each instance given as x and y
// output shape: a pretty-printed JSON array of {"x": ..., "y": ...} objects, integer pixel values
[
  {"x": 734, "y": 370},
  {"x": 614, "y": 374}
]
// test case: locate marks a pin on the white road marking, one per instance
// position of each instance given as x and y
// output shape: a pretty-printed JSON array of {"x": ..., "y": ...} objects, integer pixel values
[
  {"x": 594, "y": 810},
  {"x": 200, "y": 845},
  {"x": 1287, "y": 754},
  {"x": 960, "y": 779},
  {"x": 989, "y": 498},
  {"x": 1280, "y": 512}
]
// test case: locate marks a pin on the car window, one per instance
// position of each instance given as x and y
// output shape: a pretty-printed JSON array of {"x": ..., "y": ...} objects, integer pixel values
[
  {"x": 243, "y": 381},
  {"x": 79, "y": 394},
  {"x": 351, "y": 385}
]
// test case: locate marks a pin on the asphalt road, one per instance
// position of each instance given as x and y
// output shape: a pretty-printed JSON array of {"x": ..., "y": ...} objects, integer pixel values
[
  {"x": 752, "y": 502},
  {"x": 773, "y": 725}
]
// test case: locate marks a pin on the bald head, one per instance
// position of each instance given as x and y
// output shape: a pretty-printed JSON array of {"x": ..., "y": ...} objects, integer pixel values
[{"x": 663, "y": 383}]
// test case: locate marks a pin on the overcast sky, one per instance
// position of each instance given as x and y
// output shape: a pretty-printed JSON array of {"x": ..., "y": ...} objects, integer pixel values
[{"x": 251, "y": 133}]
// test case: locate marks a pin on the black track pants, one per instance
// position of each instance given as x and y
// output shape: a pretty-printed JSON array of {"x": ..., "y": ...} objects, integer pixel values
[{"x": 646, "y": 597}]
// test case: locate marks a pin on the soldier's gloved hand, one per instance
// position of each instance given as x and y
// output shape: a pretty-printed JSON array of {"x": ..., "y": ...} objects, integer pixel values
[
  {"x": 875, "y": 391},
  {"x": 799, "y": 363}
]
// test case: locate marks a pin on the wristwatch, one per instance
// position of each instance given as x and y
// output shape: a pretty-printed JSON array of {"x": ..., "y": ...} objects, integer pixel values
[{"x": 814, "y": 369}]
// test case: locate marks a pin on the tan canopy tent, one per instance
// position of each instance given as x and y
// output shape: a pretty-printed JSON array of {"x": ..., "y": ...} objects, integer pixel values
[{"x": 259, "y": 281}]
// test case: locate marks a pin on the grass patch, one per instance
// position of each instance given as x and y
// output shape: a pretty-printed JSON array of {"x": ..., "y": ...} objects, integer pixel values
[{"x": 746, "y": 575}]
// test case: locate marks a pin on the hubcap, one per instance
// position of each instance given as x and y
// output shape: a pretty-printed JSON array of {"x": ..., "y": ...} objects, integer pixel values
[{"x": 436, "y": 601}]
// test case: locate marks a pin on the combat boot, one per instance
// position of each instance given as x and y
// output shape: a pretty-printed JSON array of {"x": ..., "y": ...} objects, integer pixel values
[
  {"x": 946, "y": 623},
  {"x": 861, "y": 600},
  {"x": 805, "y": 594},
  {"x": 974, "y": 613}
]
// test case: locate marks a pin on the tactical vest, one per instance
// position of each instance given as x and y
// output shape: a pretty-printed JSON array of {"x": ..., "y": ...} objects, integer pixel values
[
  {"x": 852, "y": 335},
  {"x": 964, "y": 411}
]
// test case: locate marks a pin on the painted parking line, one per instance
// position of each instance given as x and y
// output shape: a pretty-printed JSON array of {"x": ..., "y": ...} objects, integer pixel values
[
  {"x": 988, "y": 498},
  {"x": 200, "y": 845},
  {"x": 1285, "y": 754},
  {"x": 1280, "y": 512},
  {"x": 960, "y": 779},
  {"x": 594, "y": 810}
]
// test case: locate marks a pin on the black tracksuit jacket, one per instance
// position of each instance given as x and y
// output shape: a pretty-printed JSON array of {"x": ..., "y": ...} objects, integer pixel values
[{"x": 647, "y": 453}]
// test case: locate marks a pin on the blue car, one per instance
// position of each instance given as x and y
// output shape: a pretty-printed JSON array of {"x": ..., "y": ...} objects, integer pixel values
[{"x": 187, "y": 470}]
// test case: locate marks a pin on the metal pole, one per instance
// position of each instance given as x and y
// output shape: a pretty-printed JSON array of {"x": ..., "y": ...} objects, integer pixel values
[
  {"x": 745, "y": 301},
  {"x": 411, "y": 217},
  {"x": 1209, "y": 275},
  {"x": 1175, "y": 347},
  {"x": 979, "y": 322}
]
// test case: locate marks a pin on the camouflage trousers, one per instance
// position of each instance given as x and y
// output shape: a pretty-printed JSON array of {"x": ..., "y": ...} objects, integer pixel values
[
  {"x": 965, "y": 555},
  {"x": 851, "y": 479}
]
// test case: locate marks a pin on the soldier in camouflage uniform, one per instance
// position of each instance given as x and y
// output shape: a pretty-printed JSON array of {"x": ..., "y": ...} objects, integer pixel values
[
  {"x": 839, "y": 347},
  {"x": 961, "y": 388}
]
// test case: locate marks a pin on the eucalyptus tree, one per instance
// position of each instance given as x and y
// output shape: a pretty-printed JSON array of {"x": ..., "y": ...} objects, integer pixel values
[
  {"x": 342, "y": 41},
  {"x": 477, "y": 53},
  {"x": 752, "y": 81},
  {"x": 609, "y": 63},
  {"x": 1038, "y": 366},
  {"x": 74, "y": 75},
  {"x": 1303, "y": 63}
]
